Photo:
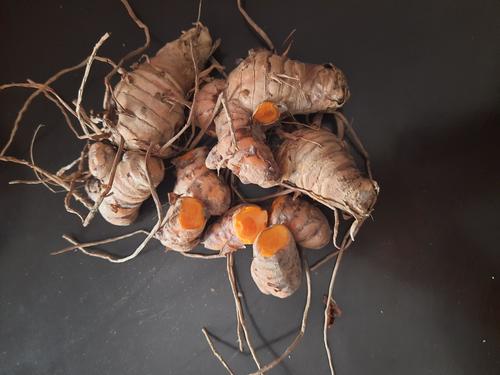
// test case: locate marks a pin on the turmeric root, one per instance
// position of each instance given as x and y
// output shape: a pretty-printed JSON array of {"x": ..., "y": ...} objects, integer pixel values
[
  {"x": 320, "y": 164},
  {"x": 185, "y": 221},
  {"x": 194, "y": 179},
  {"x": 130, "y": 184},
  {"x": 205, "y": 105},
  {"x": 297, "y": 87},
  {"x": 198, "y": 193},
  {"x": 149, "y": 100},
  {"x": 276, "y": 267},
  {"x": 100, "y": 158},
  {"x": 307, "y": 223},
  {"x": 238, "y": 227},
  {"x": 242, "y": 148},
  {"x": 264, "y": 86}
]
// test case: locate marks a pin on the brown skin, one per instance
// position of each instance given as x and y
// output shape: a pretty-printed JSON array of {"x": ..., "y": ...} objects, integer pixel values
[
  {"x": 250, "y": 158},
  {"x": 276, "y": 267},
  {"x": 194, "y": 179},
  {"x": 100, "y": 158},
  {"x": 130, "y": 184},
  {"x": 204, "y": 107},
  {"x": 292, "y": 86},
  {"x": 149, "y": 100},
  {"x": 238, "y": 227},
  {"x": 327, "y": 173},
  {"x": 149, "y": 110},
  {"x": 296, "y": 87},
  {"x": 185, "y": 222},
  {"x": 307, "y": 223}
]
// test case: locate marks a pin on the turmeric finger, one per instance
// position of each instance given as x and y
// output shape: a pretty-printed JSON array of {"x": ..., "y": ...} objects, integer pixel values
[
  {"x": 258, "y": 89},
  {"x": 130, "y": 186},
  {"x": 307, "y": 223},
  {"x": 184, "y": 223},
  {"x": 238, "y": 227},
  {"x": 149, "y": 100},
  {"x": 242, "y": 148},
  {"x": 298, "y": 87},
  {"x": 194, "y": 179},
  {"x": 276, "y": 267},
  {"x": 199, "y": 194},
  {"x": 320, "y": 164}
]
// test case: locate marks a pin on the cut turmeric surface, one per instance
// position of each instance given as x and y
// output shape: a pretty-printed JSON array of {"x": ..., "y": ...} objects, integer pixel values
[
  {"x": 272, "y": 240},
  {"x": 248, "y": 222},
  {"x": 266, "y": 113},
  {"x": 308, "y": 224},
  {"x": 242, "y": 148},
  {"x": 198, "y": 194},
  {"x": 192, "y": 214},
  {"x": 236, "y": 228},
  {"x": 276, "y": 268},
  {"x": 184, "y": 223}
]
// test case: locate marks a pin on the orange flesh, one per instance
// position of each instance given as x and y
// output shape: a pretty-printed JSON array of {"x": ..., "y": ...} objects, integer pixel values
[
  {"x": 266, "y": 113},
  {"x": 248, "y": 222},
  {"x": 272, "y": 240},
  {"x": 192, "y": 213}
]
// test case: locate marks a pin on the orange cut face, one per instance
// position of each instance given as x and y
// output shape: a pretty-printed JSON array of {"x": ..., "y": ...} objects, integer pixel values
[
  {"x": 272, "y": 240},
  {"x": 192, "y": 213},
  {"x": 266, "y": 113},
  {"x": 248, "y": 222}
]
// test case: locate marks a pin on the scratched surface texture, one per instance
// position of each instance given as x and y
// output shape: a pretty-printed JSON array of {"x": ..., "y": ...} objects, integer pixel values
[{"x": 420, "y": 288}]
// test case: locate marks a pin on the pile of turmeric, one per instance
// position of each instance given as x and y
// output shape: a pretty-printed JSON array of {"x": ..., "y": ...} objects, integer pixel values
[{"x": 149, "y": 130}]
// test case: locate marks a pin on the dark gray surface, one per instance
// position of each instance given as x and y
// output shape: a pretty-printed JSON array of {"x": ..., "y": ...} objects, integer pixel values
[{"x": 420, "y": 288}]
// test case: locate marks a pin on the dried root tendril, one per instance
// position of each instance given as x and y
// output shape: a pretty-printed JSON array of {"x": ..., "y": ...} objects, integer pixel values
[
  {"x": 84, "y": 80},
  {"x": 327, "y": 311},
  {"x": 215, "y": 352},
  {"x": 67, "y": 198},
  {"x": 202, "y": 256},
  {"x": 290, "y": 42},
  {"x": 256, "y": 27},
  {"x": 50, "y": 176},
  {"x": 109, "y": 90},
  {"x": 28, "y": 101},
  {"x": 83, "y": 247},
  {"x": 239, "y": 309},
  {"x": 301, "y": 332},
  {"x": 32, "y": 159},
  {"x": 237, "y": 304}
]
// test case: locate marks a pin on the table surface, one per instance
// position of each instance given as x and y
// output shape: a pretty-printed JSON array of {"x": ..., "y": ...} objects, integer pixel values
[{"x": 419, "y": 289}]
